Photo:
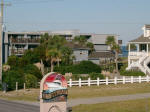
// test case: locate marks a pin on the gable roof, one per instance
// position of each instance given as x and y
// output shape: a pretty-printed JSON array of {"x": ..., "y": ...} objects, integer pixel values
[{"x": 141, "y": 39}]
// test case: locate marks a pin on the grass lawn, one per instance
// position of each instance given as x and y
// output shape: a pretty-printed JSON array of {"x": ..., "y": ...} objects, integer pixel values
[
  {"x": 123, "y": 106},
  {"x": 83, "y": 92},
  {"x": 110, "y": 90}
]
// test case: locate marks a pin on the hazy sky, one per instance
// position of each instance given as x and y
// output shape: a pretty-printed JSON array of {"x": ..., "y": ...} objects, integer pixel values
[{"x": 122, "y": 17}]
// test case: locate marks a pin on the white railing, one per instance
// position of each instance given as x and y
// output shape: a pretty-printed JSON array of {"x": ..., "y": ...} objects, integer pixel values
[
  {"x": 138, "y": 53},
  {"x": 108, "y": 81}
]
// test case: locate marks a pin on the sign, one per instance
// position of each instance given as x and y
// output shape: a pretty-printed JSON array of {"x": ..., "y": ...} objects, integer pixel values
[{"x": 55, "y": 88}]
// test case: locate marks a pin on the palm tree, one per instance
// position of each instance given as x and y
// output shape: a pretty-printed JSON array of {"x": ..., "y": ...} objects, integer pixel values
[
  {"x": 52, "y": 55},
  {"x": 114, "y": 47},
  {"x": 80, "y": 40}
]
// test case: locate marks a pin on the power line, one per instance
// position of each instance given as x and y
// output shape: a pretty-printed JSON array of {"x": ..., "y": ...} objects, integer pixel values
[{"x": 33, "y": 1}]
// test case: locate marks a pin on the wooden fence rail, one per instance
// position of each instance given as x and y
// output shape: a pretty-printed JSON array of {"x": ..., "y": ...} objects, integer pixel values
[{"x": 108, "y": 81}]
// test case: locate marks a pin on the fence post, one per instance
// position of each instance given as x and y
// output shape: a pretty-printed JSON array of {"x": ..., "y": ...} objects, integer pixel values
[
  {"x": 16, "y": 86},
  {"x": 106, "y": 80},
  {"x": 70, "y": 83},
  {"x": 80, "y": 82},
  {"x": 115, "y": 80},
  {"x": 124, "y": 79},
  {"x": 98, "y": 81},
  {"x": 89, "y": 82},
  {"x": 139, "y": 79},
  {"x": 24, "y": 86},
  {"x": 132, "y": 79},
  {"x": 147, "y": 78}
]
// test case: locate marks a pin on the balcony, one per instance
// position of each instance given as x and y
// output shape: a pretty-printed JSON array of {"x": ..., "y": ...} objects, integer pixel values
[
  {"x": 138, "y": 54},
  {"x": 18, "y": 51},
  {"x": 25, "y": 40}
]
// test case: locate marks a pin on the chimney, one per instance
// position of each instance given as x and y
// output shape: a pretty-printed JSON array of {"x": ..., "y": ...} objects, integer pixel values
[{"x": 146, "y": 30}]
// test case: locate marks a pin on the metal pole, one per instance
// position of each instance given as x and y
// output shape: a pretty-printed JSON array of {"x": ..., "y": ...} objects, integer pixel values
[{"x": 1, "y": 38}]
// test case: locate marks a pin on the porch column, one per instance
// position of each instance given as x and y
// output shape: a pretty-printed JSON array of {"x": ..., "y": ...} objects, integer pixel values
[
  {"x": 138, "y": 48},
  {"x": 129, "y": 47},
  {"x": 129, "y": 55}
]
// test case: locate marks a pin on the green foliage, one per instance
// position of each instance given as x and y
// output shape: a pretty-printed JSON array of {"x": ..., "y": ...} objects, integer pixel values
[
  {"x": 34, "y": 56},
  {"x": 12, "y": 60},
  {"x": 32, "y": 69},
  {"x": 80, "y": 39},
  {"x": 0, "y": 87},
  {"x": 66, "y": 55},
  {"x": 94, "y": 76},
  {"x": 132, "y": 47},
  {"x": 13, "y": 76},
  {"x": 31, "y": 81},
  {"x": 124, "y": 72},
  {"x": 84, "y": 67}
]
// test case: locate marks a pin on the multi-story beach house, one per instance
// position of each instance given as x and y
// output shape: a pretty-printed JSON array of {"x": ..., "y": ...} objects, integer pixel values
[
  {"x": 140, "y": 58},
  {"x": 16, "y": 43}
]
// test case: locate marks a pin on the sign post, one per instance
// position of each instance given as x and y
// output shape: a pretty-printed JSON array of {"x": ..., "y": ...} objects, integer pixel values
[{"x": 53, "y": 93}]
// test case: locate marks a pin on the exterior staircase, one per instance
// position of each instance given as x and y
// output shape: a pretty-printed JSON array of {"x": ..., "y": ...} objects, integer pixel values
[{"x": 142, "y": 64}]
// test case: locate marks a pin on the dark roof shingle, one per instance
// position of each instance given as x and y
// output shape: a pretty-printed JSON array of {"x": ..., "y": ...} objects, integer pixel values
[{"x": 141, "y": 39}]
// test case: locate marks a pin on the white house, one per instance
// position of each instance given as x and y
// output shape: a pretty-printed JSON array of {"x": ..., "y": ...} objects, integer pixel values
[{"x": 140, "y": 58}]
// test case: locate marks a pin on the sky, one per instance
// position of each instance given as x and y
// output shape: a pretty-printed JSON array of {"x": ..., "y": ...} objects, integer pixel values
[{"x": 122, "y": 17}]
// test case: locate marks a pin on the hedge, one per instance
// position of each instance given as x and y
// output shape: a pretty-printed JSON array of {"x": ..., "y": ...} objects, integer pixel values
[{"x": 84, "y": 67}]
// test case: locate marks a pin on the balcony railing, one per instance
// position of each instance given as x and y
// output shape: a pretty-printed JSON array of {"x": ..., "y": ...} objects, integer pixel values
[
  {"x": 25, "y": 40},
  {"x": 138, "y": 53},
  {"x": 18, "y": 51}
]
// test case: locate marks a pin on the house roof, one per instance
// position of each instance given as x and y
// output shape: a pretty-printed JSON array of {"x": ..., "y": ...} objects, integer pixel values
[
  {"x": 141, "y": 39},
  {"x": 97, "y": 55},
  {"x": 77, "y": 46},
  {"x": 147, "y": 26},
  {"x": 101, "y": 38}
]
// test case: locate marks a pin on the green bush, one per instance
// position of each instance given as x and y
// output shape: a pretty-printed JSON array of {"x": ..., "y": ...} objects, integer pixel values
[
  {"x": 13, "y": 76},
  {"x": 94, "y": 76},
  {"x": 84, "y": 67},
  {"x": 32, "y": 69},
  {"x": 13, "y": 60},
  {"x": 124, "y": 72},
  {"x": 0, "y": 87},
  {"x": 31, "y": 81}
]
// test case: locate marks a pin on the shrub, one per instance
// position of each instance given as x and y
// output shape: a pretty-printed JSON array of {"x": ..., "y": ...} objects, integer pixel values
[
  {"x": 32, "y": 69},
  {"x": 0, "y": 87},
  {"x": 84, "y": 67},
  {"x": 94, "y": 76},
  {"x": 31, "y": 81},
  {"x": 124, "y": 72},
  {"x": 13, "y": 60},
  {"x": 13, "y": 76}
]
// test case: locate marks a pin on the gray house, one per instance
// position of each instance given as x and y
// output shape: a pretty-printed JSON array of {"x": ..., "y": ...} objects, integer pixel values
[{"x": 81, "y": 52}]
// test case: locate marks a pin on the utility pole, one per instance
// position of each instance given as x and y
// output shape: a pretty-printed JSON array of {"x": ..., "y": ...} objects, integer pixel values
[{"x": 1, "y": 36}]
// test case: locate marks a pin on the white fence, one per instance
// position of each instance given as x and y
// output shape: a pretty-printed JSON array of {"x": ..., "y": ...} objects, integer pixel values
[{"x": 108, "y": 81}]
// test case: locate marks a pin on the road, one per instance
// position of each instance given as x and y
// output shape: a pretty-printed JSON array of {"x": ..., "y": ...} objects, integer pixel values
[{"x": 8, "y": 106}]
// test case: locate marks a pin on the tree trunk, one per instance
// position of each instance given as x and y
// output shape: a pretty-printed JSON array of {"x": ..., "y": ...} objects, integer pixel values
[
  {"x": 52, "y": 66},
  {"x": 117, "y": 62},
  {"x": 58, "y": 62}
]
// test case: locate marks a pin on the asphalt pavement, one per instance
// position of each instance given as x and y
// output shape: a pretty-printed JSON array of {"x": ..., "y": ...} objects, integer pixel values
[{"x": 8, "y": 106}]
